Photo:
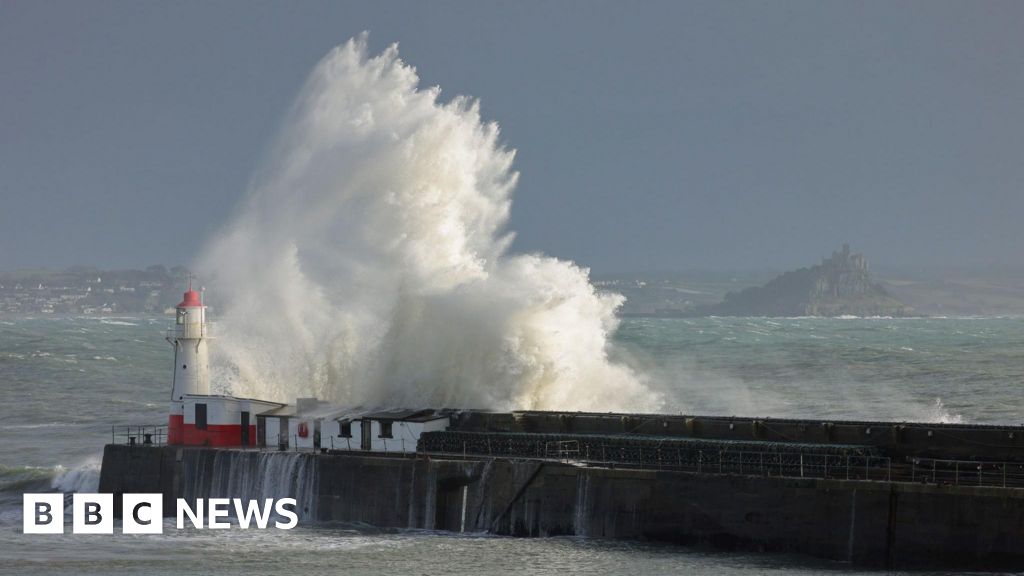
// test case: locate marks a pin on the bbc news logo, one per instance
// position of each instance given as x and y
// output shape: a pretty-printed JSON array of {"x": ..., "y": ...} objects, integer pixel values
[{"x": 143, "y": 513}]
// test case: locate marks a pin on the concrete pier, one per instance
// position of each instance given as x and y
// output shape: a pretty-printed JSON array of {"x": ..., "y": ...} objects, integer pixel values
[{"x": 867, "y": 522}]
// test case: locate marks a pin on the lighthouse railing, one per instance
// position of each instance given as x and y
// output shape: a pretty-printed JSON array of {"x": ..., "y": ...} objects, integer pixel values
[
  {"x": 193, "y": 331},
  {"x": 138, "y": 435}
]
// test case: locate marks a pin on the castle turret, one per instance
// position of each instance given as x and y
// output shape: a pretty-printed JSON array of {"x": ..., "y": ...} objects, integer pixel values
[{"x": 191, "y": 361}]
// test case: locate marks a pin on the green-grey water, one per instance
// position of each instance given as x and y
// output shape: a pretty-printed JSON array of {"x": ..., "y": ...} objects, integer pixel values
[{"x": 65, "y": 381}]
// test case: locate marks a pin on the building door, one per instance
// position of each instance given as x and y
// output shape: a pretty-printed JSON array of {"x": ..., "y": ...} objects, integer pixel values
[
  {"x": 283, "y": 432},
  {"x": 365, "y": 438},
  {"x": 245, "y": 428},
  {"x": 200, "y": 416}
]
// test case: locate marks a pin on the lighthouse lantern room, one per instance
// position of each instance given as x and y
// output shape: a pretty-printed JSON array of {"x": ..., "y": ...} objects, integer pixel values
[{"x": 198, "y": 418}]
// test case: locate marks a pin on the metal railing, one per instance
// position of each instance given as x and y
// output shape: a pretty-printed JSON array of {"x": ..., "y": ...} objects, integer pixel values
[
  {"x": 192, "y": 330},
  {"x": 850, "y": 466},
  {"x": 780, "y": 464},
  {"x": 562, "y": 449},
  {"x": 967, "y": 472},
  {"x": 388, "y": 445},
  {"x": 293, "y": 442},
  {"x": 768, "y": 463},
  {"x": 138, "y": 435}
]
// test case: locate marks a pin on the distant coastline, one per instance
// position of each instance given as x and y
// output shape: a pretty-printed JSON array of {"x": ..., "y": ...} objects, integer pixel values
[
  {"x": 90, "y": 291},
  {"x": 922, "y": 292},
  {"x": 928, "y": 292}
]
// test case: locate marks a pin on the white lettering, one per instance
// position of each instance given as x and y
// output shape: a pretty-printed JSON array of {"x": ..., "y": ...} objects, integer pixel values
[
  {"x": 282, "y": 511},
  {"x": 253, "y": 511},
  {"x": 195, "y": 516},
  {"x": 42, "y": 513},
  {"x": 92, "y": 513},
  {"x": 143, "y": 514},
  {"x": 218, "y": 508}
]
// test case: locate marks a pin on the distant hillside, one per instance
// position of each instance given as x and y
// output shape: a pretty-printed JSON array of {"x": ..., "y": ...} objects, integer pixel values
[
  {"x": 840, "y": 285},
  {"x": 86, "y": 290}
]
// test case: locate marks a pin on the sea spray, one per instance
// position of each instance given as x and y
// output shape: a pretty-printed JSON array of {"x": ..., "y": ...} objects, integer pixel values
[
  {"x": 938, "y": 412},
  {"x": 83, "y": 477},
  {"x": 369, "y": 263}
]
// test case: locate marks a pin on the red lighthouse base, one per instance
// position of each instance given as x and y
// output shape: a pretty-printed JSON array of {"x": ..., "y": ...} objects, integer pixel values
[
  {"x": 182, "y": 434},
  {"x": 215, "y": 421},
  {"x": 175, "y": 429}
]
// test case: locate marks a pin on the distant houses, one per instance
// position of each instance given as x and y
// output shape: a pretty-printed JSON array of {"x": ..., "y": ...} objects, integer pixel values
[{"x": 81, "y": 290}]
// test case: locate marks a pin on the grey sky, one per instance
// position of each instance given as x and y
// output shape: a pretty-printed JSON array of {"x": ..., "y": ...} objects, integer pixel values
[{"x": 650, "y": 135}]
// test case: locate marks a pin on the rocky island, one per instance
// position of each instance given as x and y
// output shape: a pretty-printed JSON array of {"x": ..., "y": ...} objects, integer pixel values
[{"x": 839, "y": 286}]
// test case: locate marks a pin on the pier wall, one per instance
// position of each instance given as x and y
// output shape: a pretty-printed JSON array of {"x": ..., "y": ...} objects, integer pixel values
[
  {"x": 867, "y": 523},
  {"x": 896, "y": 439}
]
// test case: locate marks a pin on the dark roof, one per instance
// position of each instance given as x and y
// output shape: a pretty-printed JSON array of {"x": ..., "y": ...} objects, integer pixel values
[
  {"x": 229, "y": 397},
  {"x": 286, "y": 410},
  {"x": 406, "y": 415}
]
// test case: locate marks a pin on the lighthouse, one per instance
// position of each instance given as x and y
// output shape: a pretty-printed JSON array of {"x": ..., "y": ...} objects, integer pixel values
[
  {"x": 197, "y": 417},
  {"x": 189, "y": 336}
]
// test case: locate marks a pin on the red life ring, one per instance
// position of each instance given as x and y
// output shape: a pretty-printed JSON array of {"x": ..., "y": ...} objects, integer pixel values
[{"x": 303, "y": 430}]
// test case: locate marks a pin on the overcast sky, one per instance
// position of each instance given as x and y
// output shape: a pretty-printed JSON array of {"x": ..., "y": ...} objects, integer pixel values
[{"x": 650, "y": 136}]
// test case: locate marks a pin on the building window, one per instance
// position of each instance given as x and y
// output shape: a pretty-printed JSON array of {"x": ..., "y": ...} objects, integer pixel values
[
  {"x": 200, "y": 416},
  {"x": 385, "y": 429},
  {"x": 345, "y": 429}
]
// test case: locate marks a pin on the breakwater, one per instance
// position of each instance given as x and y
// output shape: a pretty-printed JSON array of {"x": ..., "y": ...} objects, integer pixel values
[{"x": 867, "y": 522}]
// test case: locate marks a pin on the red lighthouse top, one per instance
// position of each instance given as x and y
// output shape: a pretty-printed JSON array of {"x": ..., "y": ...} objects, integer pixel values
[{"x": 191, "y": 298}]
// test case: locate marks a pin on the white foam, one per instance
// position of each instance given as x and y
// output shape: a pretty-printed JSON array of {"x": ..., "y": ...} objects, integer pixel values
[
  {"x": 117, "y": 323},
  {"x": 938, "y": 412},
  {"x": 369, "y": 263},
  {"x": 84, "y": 477}
]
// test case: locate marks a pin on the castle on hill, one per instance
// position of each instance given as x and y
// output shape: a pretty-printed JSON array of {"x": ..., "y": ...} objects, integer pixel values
[{"x": 841, "y": 285}]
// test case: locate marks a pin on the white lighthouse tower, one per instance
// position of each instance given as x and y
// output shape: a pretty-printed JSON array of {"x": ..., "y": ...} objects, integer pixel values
[{"x": 189, "y": 337}]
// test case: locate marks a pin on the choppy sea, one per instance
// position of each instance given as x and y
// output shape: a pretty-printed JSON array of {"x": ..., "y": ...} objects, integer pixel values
[{"x": 65, "y": 380}]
